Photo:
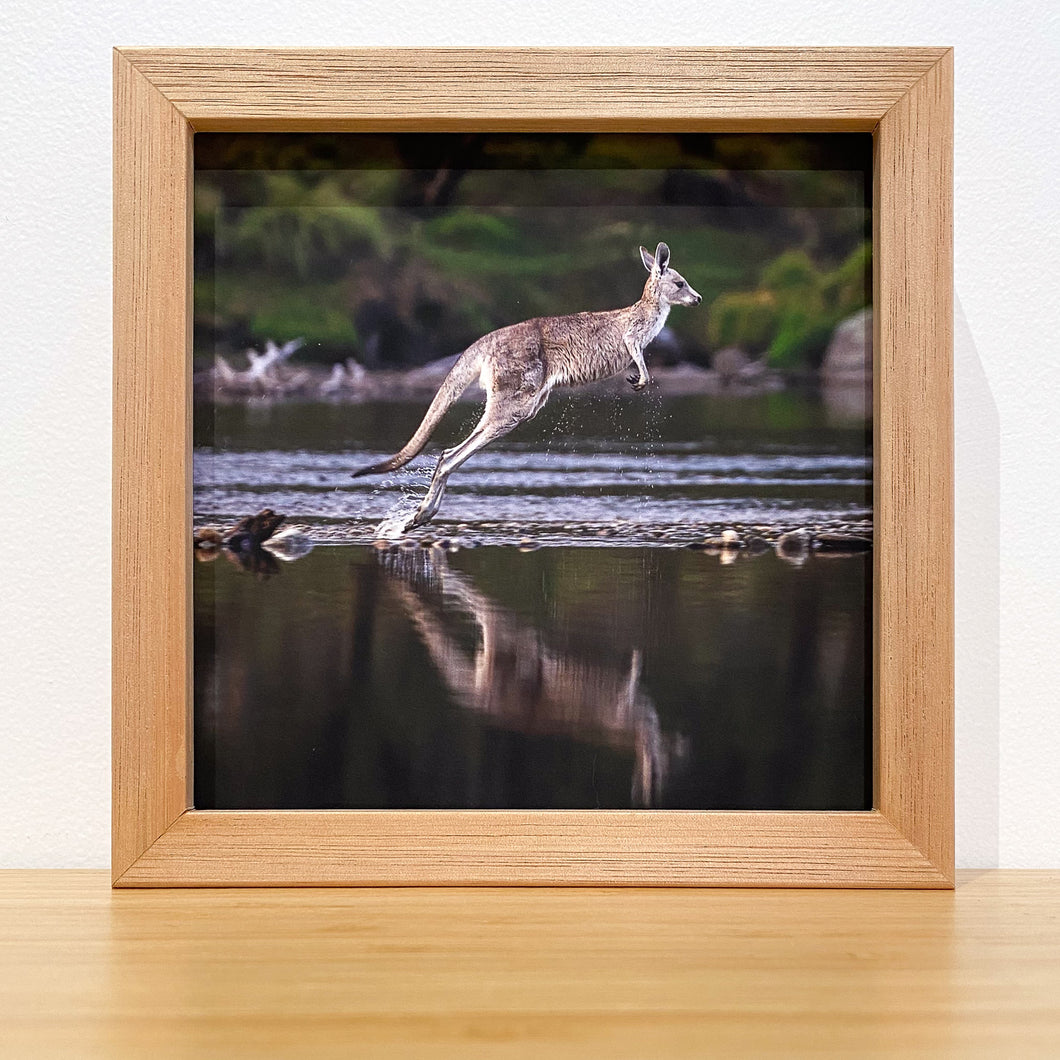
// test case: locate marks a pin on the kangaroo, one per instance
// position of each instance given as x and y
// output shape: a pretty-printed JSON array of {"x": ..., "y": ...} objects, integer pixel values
[
  {"x": 519, "y": 366},
  {"x": 519, "y": 682}
]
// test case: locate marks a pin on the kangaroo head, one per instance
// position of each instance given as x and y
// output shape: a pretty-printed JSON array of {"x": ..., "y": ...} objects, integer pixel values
[{"x": 666, "y": 285}]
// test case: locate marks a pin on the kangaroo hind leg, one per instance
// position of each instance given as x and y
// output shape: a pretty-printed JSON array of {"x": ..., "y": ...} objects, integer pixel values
[{"x": 501, "y": 415}]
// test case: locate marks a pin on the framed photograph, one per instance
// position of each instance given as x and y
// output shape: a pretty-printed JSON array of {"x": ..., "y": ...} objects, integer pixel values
[{"x": 533, "y": 467}]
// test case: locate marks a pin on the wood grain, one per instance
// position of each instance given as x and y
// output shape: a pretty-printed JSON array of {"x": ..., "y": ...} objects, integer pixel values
[
  {"x": 905, "y": 95},
  {"x": 534, "y": 88},
  {"x": 682, "y": 848},
  {"x": 151, "y": 561},
  {"x": 913, "y": 477},
  {"x": 503, "y": 972}
]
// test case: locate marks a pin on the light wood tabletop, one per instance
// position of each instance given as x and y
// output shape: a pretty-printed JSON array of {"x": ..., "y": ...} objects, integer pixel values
[{"x": 87, "y": 971}]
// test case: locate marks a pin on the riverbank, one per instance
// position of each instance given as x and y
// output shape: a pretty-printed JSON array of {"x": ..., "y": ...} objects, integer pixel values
[
  {"x": 790, "y": 539},
  {"x": 352, "y": 384},
  {"x": 630, "y": 471},
  {"x": 845, "y": 371},
  {"x": 355, "y": 384}
]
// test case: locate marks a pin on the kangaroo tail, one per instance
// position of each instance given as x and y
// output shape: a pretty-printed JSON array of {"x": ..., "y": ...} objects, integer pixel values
[{"x": 455, "y": 383}]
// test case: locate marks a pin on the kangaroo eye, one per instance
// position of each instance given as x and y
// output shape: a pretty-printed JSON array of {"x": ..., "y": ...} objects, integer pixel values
[{"x": 679, "y": 284}]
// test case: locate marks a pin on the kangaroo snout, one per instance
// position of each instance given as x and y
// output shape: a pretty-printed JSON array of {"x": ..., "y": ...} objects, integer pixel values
[{"x": 519, "y": 366}]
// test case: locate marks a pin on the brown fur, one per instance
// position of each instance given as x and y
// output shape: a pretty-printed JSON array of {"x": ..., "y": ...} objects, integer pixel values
[
  {"x": 518, "y": 367},
  {"x": 522, "y": 684}
]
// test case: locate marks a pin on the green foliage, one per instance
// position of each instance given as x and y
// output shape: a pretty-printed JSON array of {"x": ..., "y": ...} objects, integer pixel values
[
  {"x": 293, "y": 313},
  {"x": 305, "y": 234},
  {"x": 793, "y": 311},
  {"x": 795, "y": 284},
  {"x": 381, "y": 249},
  {"x": 791, "y": 275},
  {"x": 801, "y": 339},
  {"x": 848, "y": 286},
  {"x": 471, "y": 231},
  {"x": 747, "y": 319}
]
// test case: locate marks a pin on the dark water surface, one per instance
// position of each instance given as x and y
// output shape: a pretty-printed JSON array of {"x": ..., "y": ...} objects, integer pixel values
[
  {"x": 644, "y": 468},
  {"x": 610, "y": 668},
  {"x": 568, "y": 677}
]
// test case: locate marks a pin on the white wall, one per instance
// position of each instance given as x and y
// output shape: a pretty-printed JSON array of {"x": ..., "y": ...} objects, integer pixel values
[{"x": 55, "y": 215}]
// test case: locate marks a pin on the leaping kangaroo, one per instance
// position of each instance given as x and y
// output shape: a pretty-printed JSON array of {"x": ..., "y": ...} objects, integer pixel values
[
  {"x": 514, "y": 678},
  {"x": 518, "y": 367}
]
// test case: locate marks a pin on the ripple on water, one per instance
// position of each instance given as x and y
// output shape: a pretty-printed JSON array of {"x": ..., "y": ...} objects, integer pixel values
[{"x": 619, "y": 498}]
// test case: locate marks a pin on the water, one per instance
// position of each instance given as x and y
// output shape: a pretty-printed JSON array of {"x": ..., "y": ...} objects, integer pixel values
[
  {"x": 635, "y": 472},
  {"x": 560, "y": 678},
  {"x": 547, "y": 642}
]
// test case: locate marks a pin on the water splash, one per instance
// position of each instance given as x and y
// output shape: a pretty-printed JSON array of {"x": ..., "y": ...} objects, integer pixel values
[
  {"x": 397, "y": 520},
  {"x": 289, "y": 544}
]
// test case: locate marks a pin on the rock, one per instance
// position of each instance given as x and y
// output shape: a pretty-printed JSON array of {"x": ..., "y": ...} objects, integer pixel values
[
  {"x": 335, "y": 381},
  {"x": 526, "y": 545},
  {"x": 757, "y": 545},
  {"x": 433, "y": 371},
  {"x": 754, "y": 372},
  {"x": 253, "y": 531},
  {"x": 208, "y": 539},
  {"x": 845, "y": 543},
  {"x": 730, "y": 363},
  {"x": 683, "y": 378},
  {"x": 355, "y": 373},
  {"x": 848, "y": 359},
  {"x": 794, "y": 546},
  {"x": 428, "y": 377},
  {"x": 728, "y": 541}
]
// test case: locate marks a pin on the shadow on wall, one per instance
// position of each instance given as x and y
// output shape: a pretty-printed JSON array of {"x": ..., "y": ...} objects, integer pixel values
[{"x": 978, "y": 603}]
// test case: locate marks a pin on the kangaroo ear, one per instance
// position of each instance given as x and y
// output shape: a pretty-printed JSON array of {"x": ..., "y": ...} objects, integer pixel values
[
  {"x": 645, "y": 256},
  {"x": 662, "y": 256}
]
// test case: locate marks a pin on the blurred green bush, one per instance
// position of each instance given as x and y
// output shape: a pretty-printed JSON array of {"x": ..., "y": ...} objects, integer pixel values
[
  {"x": 791, "y": 314},
  {"x": 404, "y": 249}
]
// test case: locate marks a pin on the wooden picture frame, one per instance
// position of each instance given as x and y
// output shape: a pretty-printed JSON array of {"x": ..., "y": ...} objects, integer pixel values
[{"x": 903, "y": 96}]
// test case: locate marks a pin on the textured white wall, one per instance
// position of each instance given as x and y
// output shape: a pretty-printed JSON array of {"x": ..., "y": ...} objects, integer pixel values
[{"x": 55, "y": 215}]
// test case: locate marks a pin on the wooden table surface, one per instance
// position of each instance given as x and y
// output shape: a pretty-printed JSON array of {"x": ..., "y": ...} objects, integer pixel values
[{"x": 86, "y": 971}]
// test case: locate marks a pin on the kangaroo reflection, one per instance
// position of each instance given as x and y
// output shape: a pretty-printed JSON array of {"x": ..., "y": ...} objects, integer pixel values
[{"x": 522, "y": 684}]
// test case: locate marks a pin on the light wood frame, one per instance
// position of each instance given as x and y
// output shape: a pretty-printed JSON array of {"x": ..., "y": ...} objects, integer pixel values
[{"x": 903, "y": 96}]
